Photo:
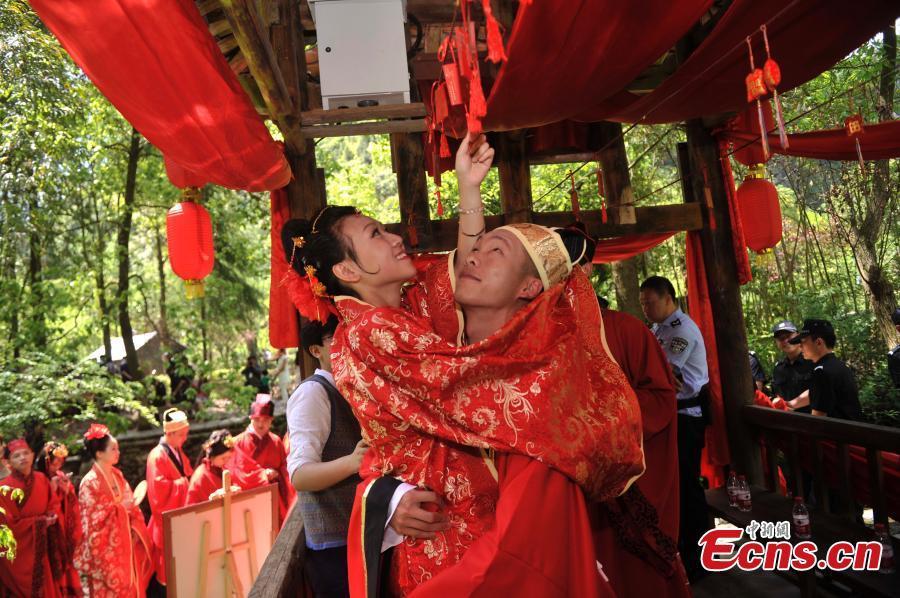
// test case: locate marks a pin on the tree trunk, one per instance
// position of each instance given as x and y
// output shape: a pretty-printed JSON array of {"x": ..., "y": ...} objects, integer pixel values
[
  {"x": 122, "y": 253},
  {"x": 35, "y": 281},
  {"x": 871, "y": 227},
  {"x": 617, "y": 187},
  {"x": 161, "y": 271}
]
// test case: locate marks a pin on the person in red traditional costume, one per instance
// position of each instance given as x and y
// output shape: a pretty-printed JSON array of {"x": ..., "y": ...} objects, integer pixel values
[
  {"x": 114, "y": 556},
  {"x": 409, "y": 386},
  {"x": 37, "y": 571},
  {"x": 260, "y": 458},
  {"x": 206, "y": 481},
  {"x": 49, "y": 462},
  {"x": 168, "y": 476}
]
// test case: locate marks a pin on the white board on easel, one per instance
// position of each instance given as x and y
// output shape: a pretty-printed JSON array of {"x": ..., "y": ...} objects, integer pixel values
[{"x": 217, "y": 547}]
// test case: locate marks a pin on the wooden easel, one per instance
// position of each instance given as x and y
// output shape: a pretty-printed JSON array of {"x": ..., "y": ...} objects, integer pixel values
[{"x": 233, "y": 586}]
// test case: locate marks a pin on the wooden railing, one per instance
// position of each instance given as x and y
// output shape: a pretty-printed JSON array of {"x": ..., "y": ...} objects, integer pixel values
[{"x": 783, "y": 429}]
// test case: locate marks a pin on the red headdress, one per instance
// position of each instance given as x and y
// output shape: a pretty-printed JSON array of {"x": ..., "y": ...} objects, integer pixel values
[
  {"x": 262, "y": 406},
  {"x": 307, "y": 293},
  {"x": 17, "y": 445},
  {"x": 96, "y": 431}
]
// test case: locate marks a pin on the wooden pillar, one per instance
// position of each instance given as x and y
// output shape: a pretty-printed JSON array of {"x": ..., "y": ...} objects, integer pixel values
[
  {"x": 408, "y": 153},
  {"x": 305, "y": 191},
  {"x": 702, "y": 174},
  {"x": 515, "y": 177},
  {"x": 617, "y": 187}
]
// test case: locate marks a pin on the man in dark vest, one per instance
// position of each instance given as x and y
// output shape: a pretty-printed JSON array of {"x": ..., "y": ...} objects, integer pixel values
[{"x": 326, "y": 452}]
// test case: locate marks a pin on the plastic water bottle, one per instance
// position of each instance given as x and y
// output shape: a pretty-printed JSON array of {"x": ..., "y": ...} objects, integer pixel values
[
  {"x": 731, "y": 486},
  {"x": 887, "y": 549},
  {"x": 744, "y": 500},
  {"x": 800, "y": 516}
]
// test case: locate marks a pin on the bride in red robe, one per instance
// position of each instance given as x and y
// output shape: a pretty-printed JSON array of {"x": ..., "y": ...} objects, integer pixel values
[
  {"x": 37, "y": 570},
  {"x": 115, "y": 554},
  {"x": 207, "y": 478},
  {"x": 50, "y": 462},
  {"x": 546, "y": 388}
]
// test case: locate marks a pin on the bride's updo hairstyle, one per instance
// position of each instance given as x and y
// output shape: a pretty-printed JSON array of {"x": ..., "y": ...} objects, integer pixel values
[{"x": 320, "y": 244}]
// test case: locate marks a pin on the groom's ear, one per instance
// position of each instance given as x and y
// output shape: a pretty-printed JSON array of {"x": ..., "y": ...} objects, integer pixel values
[{"x": 531, "y": 288}]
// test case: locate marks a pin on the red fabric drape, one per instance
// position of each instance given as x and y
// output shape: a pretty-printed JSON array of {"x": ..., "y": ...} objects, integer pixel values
[
  {"x": 283, "y": 326},
  {"x": 565, "y": 57},
  {"x": 161, "y": 68},
  {"x": 622, "y": 248},
  {"x": 879, "y": 141},
  {"x": 716, "y": 452},
  {"x": 806, "y": 37},
  {"x": 739, "y": 243}
]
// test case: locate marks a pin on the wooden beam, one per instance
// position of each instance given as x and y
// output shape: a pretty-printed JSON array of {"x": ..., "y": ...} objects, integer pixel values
[
  {"x": 571, "y": 158},
  {"x": 650, "y": 220},
  {"x": 257, "y": 50},
  {"x": 702, "y": 155},
  {"x": 388, "y": 111},
  {"x": 515, "y": 176},
  {"x": 408, "y": 153},
  {"x": 373, "y": 128}
]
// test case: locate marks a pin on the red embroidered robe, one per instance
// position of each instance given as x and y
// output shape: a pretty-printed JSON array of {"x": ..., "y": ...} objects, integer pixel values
[
  {"x": 252, "y": 456},
  {"x": 115, "y": 553},
  {"x": 166, "y": 490},
  {"x": 642, "y": 359},
  {"x": 408, "y": 386},
  {"x": 37, "y": 570},
  {"x": 205, "y": 480},
  {"x": 70, "y": 524}
]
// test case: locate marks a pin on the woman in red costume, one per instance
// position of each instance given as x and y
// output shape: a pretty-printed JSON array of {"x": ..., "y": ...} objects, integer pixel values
[
  {"x": 207, "y": 478},
  {"x": 114, "y": 556},
  {"x": 544, "y": 387},
  {"x": 50, "y": 462},
  {"x": 32, "y": 514}
]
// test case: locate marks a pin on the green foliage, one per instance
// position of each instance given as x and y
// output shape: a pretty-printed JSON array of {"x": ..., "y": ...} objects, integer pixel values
[
  {"x": 8, "y": 543},
  {"x": 63, "y": 398}
]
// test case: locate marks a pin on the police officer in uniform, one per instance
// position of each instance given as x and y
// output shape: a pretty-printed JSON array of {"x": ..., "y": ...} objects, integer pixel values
[
  {"x": 792, "y": 373},
  {"x": 757, "y": 372},
  {"x": 894, "y": 354},
  {"x": 833, "y": 391},
  {"x": 683, "y": 344}
]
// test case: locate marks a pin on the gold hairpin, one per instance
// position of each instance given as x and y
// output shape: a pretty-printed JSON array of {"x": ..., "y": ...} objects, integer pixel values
[
  {"x": 317, "y": 288},
  {"x": 316, "y": 220},
  {"x": 298, "y": 241}
]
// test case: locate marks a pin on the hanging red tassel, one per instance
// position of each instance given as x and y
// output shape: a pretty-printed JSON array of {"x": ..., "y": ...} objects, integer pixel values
[
  {"x": 756, "y": 88},
  {"x": 603, "y": 216},
  {"x": 440, "y": 204},
  {"x": 573, "y": 196},
  {"x": 496, "y": 52},
  {"x": 854, "y": 127},
  {"x": 445, "y": 147},
  {"x": 772, "y": 76},
  {"x": 411, "y": 231}
]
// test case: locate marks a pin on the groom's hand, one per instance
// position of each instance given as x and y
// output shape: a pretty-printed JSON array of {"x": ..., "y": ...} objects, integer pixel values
[{"x": 412, "y": 519}]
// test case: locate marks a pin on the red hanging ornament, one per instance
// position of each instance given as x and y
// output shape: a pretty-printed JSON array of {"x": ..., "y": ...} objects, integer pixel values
[
  {"x": 855, "y": 126},
  {"x": 751, "y": 153},
  {"x": 603, "y": 215},
  {"x": 573, "y": 196},
  {"x": 190, "y": 240},
  {"x": 411, "y": 231},
  {"x": 760, "y": 212},
  {"x": 772, "y": 76},
  {"x": 454, "y": 87},
  {"x": 440, "y": 205},
  {"x": 756, "y": 89},
  {"x": 496, "y": 52},
  {"x": 445, "y": 147}
]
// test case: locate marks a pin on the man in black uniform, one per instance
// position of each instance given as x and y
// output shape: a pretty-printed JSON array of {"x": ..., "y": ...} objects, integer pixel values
[
  {"x": 894, "y": 354},
  {"x": 833, "y": 391},
  {"x": 791, "y": 376},
  {"x": 758, "y": 373}
]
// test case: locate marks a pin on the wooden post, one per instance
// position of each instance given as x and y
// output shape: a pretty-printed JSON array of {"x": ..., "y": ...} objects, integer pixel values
[
  {"x": 408, "y": 154},
  {"x": 617, "y": 188},
  {"x": 702, "y": 174},
  {"x": 515, "y": 177}
]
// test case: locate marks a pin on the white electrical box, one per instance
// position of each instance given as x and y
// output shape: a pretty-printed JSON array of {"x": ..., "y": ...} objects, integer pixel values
[{"x": 362, "y": 52}]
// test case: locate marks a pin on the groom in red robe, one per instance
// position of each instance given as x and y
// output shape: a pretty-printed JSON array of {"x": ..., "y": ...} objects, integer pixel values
[{"x": 32, "y": 514}]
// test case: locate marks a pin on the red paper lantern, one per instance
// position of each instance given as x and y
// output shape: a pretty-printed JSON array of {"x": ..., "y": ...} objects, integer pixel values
[
  {"x": 760, "y": 212},
  {"x": 190, "y": 240},
  {"x": 748, "y": 120}
]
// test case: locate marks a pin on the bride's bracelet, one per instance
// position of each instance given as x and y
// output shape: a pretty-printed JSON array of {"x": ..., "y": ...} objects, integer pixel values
[{"x": 465, "y": 212}]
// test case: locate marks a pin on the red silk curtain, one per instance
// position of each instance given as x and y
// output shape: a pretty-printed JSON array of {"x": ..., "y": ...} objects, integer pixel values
[
  {"x": 283, "y": 325},
  {"x": 566, "y": 57},
  {"x": 159, "y": 66},
  {"x": 879, "y": 141},
  {"x": 622, "y": 248}
]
